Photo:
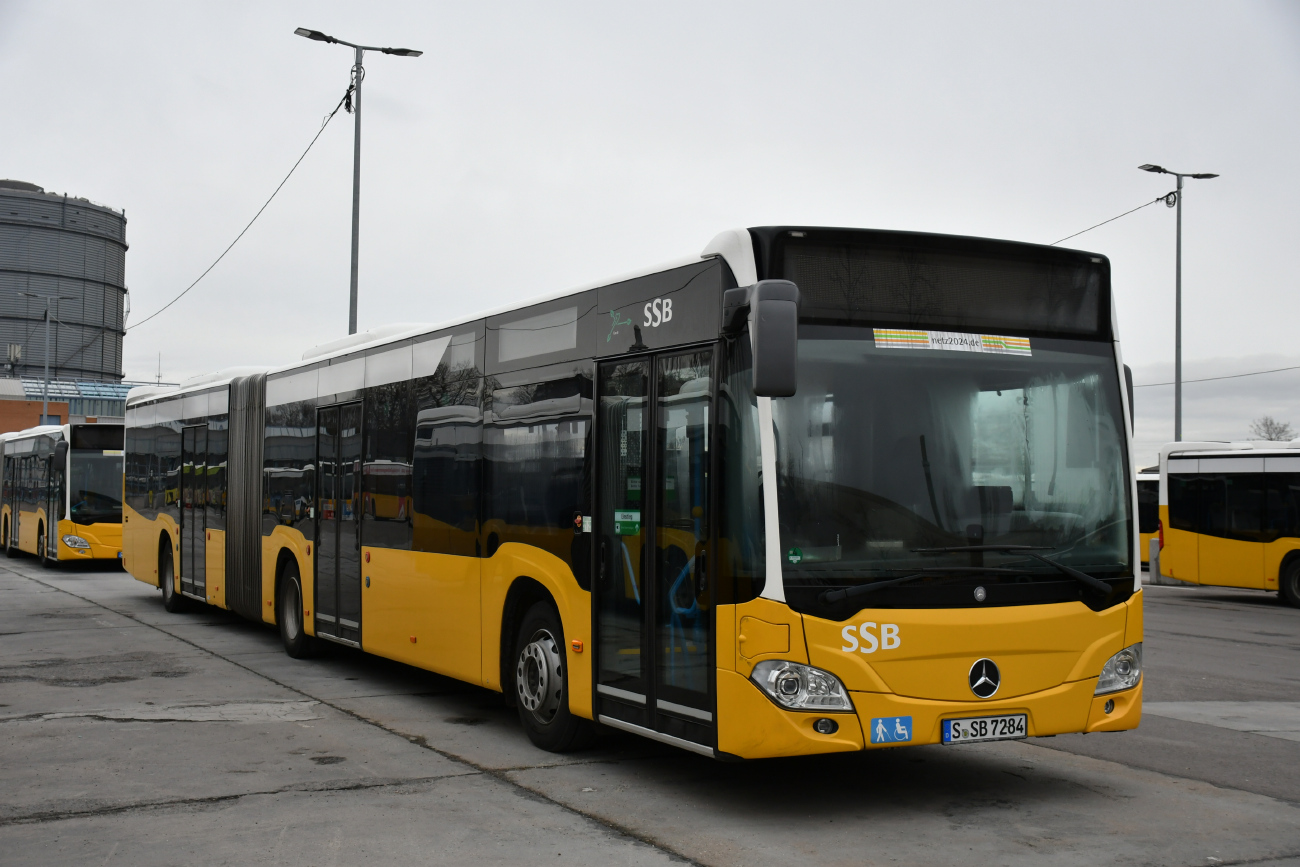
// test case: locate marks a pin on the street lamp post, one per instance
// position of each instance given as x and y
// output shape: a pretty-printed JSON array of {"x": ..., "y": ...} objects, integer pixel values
[
  {"x": 358, "y": 73},
  {"x": 45, "y": 392},
  {"x": 1178, "y": 290}
]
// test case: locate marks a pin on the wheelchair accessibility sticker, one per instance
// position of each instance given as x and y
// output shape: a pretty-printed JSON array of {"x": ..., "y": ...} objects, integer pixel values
[{"x": 891, "y": 729}]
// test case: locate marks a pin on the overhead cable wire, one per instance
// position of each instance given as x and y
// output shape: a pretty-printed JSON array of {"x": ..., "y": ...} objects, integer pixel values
[
  {"x": 1215, "y": 378},
  {"x": 1113, "y": 219},
  {"x": 324, "y": 123}
]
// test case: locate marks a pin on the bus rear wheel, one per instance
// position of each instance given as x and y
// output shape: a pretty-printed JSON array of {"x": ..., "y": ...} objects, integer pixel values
[
  {"x": 1289, "y": 586},
  {"x": 173, "y": 601},
  {"x": 289, "y": 614},
  {"x": 541, "y": 684}
]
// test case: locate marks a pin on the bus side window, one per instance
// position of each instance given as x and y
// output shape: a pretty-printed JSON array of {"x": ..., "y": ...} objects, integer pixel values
[
  {"x": 1281, "y": 506},
  {"x": 1184, "y": 503}
]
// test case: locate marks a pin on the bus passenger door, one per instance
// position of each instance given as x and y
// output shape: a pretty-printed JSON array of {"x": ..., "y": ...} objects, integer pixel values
[
  {"x": 194, "y": 492},
  {"x": 654, "y": 617},
  {"x": 338, "y": 541},
  {"x": 1231, "y": 547}
]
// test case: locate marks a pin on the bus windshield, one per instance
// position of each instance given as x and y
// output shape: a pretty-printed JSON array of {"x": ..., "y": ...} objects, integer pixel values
[
  {"x": 95, "y": 487},
  {"x": 884, "y": 451}
]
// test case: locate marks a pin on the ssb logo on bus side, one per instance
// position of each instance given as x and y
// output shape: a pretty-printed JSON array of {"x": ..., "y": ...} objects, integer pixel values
[
  {"x": 887, "y": 640},
  {"x": 658, "y": 312}
]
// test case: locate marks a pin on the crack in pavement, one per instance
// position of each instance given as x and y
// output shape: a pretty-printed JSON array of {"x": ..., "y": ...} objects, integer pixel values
[
  {"x": 301, "y": 788},
  {"x": 417, "y": 740}
]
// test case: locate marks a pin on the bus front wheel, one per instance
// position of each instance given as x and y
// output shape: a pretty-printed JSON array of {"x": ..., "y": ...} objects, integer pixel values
[
  {"x": 541, "y": 684},
  {"x": 1289, "y": 588}
]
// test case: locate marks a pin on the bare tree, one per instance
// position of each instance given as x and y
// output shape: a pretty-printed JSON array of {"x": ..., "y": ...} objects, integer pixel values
[{"x": 1269, "y": 428}]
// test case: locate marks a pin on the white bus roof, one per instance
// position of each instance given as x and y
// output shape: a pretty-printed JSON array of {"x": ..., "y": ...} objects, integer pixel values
[
  {"x": 735, "y": 246},
  {"x": 1212, "y": 449}
]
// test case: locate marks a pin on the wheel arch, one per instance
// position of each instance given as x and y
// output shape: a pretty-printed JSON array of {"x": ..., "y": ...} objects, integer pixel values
[
  {"x": 524, "y": 593},
  {"x": 283, "y": 559},
  {"x": 170, "y": 541}
]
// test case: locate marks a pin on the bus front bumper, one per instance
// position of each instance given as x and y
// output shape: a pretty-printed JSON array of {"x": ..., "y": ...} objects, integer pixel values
[
  {"x": 105, "y": 541},
  {"x": 1066, "y": 709},
  {"x": 751, "y": 726}
]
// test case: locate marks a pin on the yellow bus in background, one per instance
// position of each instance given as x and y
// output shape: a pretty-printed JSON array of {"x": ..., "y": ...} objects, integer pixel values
[
  {"x": 809, "y": 491},
  {"x": 1230, "y": 514},
  {"x": 61, "y": 492}
]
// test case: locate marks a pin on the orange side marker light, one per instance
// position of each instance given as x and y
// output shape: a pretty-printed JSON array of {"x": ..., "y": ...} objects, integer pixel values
[
  {"x": 577, "y": 645},
  {"x": 413, "y": 640}
]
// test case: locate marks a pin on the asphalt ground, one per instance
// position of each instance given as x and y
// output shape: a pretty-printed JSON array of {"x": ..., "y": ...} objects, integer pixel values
[{"x": 133, "y": 736}]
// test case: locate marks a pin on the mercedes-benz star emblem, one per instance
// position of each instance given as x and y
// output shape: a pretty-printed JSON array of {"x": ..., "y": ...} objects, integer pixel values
[
  {"x": 981, "y": 594},
  {"x": 984, "y": 678}
]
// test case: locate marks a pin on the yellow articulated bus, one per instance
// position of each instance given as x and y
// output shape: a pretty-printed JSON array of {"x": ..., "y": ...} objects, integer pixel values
[
  {"x": 61, "y": 492},
  {"x": 1230, "y": 515},
  {"x": 810, "y": 491}
]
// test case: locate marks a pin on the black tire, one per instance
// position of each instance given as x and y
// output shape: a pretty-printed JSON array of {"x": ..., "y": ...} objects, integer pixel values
[
  {"x": 173, "y": 601},
  {"x": 46, "y": 562},
  {"x": 289, "y": 616},
  {"x": 1289, "y": 584},
  {"x": 543, "y": 704}
]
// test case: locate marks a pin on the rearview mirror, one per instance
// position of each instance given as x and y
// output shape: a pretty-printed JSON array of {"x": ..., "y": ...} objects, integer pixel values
[
  {"x": 61, "y": 453},
  {"x": 773, "y": 317}
]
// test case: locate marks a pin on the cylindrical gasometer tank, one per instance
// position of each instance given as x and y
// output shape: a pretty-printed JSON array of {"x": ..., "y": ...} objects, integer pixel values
[{"x": 53, "y": 244}]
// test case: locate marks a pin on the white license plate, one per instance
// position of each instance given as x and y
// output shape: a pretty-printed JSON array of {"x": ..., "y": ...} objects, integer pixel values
[{"x": 984, "y": 728}]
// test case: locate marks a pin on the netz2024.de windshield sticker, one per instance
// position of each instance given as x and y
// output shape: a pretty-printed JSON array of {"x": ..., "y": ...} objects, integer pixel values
[{"x": 906, "y": 338}]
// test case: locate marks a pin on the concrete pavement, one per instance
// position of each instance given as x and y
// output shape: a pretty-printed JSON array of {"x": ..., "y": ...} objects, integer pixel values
[{"x": 129, "y": 735}]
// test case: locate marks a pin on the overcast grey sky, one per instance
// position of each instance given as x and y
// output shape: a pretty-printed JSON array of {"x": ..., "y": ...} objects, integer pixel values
[{"x": 536, "y": 146}]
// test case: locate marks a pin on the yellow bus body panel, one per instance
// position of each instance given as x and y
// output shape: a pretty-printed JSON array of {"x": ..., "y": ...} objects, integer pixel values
[
  {"x": 1274, "y": 553},
  {"x": 105, "y": 541},
  {"x": 140, "y": 538},
  {"x": 1036, "y": 647},
  {"x": 29, "y": 525},
  {"x": 214, "y": 581},
  {"x": 751, "y": 726},
  {"x": 1230, "y": 562},
  {"x": 291, "y": 539},
  {"x": 766, "y": 630},
  {"x": 512, "y": 561},
  {"x": 1049, "y": 656},
  {"x": 423, "y": 609},
  {"x": 1180, "y": 557}
]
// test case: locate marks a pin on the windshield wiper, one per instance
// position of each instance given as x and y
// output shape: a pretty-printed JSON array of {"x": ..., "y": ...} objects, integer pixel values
[
  {"x": 935, "y": 572},
  {"x": 1028, "y": 550}
]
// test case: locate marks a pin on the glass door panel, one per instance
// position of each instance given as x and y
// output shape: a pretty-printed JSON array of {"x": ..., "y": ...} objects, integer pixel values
[
  {"x": 654, "y": 617},
  {"x": 193, "y": 495},
  {"x": 621, "y": 531},
  {"x": 683, "y": 616},
  {"x": 327, "y": 524},
  {"x": 349, "y": 517}
]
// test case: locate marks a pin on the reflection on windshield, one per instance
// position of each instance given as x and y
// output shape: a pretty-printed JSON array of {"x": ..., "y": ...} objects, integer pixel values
[
  {"x": 95, "y": 487},
  {"x": 882, "y": 451}
]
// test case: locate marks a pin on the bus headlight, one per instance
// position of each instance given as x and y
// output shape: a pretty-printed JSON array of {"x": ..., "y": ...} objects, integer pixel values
[
  {"x": 1121, "y": 671},
  {"x": 801, "y": 687},
  {"x": 75, "y": 542}
]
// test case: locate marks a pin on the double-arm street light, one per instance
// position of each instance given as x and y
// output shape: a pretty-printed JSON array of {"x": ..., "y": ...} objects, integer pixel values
[
  {"x": 45, "y": 394},
  {"x": 1178, "y": 290},
  {"x": 358, "y": 73}
]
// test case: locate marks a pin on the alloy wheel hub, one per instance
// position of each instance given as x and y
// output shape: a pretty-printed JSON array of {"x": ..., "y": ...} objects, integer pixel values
[{"x": 539, "y": 677}]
